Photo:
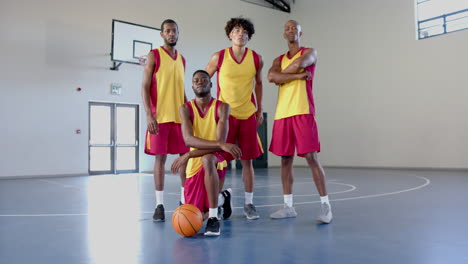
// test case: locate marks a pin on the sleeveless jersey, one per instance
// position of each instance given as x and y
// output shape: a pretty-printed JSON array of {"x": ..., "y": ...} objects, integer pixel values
[
  {"x": 167, "y": 86},
  {"x": 295, "y": 97},
  {"x": 236, "y": 82},
  {"x": 204, "y": 126}
]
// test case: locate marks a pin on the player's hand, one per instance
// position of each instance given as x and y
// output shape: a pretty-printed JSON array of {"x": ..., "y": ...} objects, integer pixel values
[
  {"x": 153, "y": 126},
  {"x": 232, "y": 149},
  {"x": 180, "y": 162},
  {"x": 305, "y": 75},
  {"x": 259, "y": 116}
]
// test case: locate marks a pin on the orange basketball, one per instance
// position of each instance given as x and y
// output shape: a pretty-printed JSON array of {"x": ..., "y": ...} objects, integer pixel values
[{"x": 187, "y": 220}]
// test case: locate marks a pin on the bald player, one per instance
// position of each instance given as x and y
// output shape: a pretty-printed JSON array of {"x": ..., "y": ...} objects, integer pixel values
[
  {"x": 162, "y": 93},
  {"x": 240, "y": 85},
  {"x": 294, "y": 128}
]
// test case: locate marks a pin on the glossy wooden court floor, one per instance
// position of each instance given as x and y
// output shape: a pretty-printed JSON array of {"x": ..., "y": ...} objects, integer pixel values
[{"x": 380, "y": 216}]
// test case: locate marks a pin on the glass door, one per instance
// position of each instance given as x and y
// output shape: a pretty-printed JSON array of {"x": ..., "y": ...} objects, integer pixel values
[
  {"x": 113, "y": 138},
  {"x": 126, "y": 138}
]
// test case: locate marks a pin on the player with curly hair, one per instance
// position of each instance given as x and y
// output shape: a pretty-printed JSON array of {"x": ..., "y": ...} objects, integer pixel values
[{"x": 240, "y": 85}]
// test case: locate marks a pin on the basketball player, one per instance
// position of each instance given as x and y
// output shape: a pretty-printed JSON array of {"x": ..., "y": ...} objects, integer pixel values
[
  {"x": 163, "y": 92},
  {"x": 240, "y": 85},
  {"x": 294, "y": 126},
  {"x": 205, "y": 127}
]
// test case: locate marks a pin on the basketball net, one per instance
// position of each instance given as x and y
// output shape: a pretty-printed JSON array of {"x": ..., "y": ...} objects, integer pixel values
[{"x": 142, "y": 60}]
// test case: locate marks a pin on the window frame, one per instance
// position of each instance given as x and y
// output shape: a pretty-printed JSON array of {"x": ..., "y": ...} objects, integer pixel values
[{"x": 446, "y": 21}]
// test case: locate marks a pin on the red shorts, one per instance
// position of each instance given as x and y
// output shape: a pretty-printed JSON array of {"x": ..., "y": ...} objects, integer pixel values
[
  {"x": 194, "y": 188},
  {"x": 168, "y": 141},
  {"x": 244, "y": 133},
  {"x": 298, "y": 132}
]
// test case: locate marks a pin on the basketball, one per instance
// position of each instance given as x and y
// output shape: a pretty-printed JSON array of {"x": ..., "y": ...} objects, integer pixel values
[{"x": 187, "y": 220}]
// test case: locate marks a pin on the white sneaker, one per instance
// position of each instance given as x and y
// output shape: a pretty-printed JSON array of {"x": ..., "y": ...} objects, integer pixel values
[
  {"x": 250, "y": 212},
  {"x": 284, "y": 212},
  {"x": 325, "y": 216}
]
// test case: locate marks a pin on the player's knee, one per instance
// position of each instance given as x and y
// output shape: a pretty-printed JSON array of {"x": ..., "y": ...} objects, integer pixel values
[
  {"x": 161, "y": 159},
  {"x": 209, "y": 160},
  {"x": 286, "y": 160},
  {"x": 312, "y": 159},
  {"x": 246, "y": 163}
]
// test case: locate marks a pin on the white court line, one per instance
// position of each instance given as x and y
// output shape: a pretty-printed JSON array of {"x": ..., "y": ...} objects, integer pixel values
[
  {"x": 60, "y": 184},
  {"x": 279, "y": 184},
  {"x": 46, "y": 215},
  {"x": 303, "y": 195},
  {"x": 427, "y": 182}
]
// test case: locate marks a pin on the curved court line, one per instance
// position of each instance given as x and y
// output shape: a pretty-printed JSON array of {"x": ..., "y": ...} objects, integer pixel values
[
  {"x": 279, "y": 184},
  {"x": 303, "y": 195},
  {"x": 427, "y": 182}
]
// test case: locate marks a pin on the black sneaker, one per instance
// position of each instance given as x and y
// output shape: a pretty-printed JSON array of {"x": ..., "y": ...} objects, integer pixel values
[
  {"x": 159, "y": 213},
  {"x": 212, "y": 227},
  {"x": 227, "y": 205}
]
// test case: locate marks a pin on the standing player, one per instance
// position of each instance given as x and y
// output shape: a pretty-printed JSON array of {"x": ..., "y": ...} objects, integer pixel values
[
  {"x": 240, "y": 85},
  {"x": 295, "y": 125},
  {"x": 204, "y": 127},
  {"x": 163, "y": 93}
]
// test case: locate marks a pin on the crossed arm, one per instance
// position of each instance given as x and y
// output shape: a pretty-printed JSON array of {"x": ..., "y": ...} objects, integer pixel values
[
  {"x": 294, "y": 71},
  {"x": 205, "y": 146}
]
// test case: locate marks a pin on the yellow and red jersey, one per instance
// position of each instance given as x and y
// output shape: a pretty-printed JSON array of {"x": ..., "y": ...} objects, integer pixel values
[
  {"x": 204, "y": 126},
  {"x": 295, "y": 97},
  {"x": 167, "y": 85},
  {"x": 236, "y": 82}
]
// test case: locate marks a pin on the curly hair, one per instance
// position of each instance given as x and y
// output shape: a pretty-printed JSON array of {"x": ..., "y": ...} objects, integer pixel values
[{"x": 240, "y": 22}]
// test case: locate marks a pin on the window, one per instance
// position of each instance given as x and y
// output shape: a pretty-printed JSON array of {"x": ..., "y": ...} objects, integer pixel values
[{"x": 436, "y": 17}]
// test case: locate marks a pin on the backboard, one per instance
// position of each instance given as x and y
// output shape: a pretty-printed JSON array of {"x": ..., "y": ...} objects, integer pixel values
[{"x": 131, "y": 41}]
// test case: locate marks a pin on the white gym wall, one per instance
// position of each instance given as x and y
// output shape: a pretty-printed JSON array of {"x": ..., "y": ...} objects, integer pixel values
[
  {"x": 383, "y": 98},
  {"x": 50, "y": 48}
]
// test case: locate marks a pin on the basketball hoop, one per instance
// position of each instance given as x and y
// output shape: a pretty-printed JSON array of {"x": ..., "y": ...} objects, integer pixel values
[{"x": 142, "y": 60}]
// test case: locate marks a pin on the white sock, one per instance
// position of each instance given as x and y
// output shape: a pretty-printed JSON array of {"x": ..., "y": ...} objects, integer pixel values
[
  {"x": 159, "y": 197},
  {"x": 249, "y": 198},
  {"x": 213, "y": 212},
  {"x": 324, "y": 199},
  {"x": 220, "y": 199},
  {"x": 182, "y": 196},
  {"x": 288, "y": 200}
]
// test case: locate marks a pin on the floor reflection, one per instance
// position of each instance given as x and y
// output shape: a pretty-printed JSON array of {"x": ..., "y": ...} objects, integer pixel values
[{"x": 114, "y": 231}]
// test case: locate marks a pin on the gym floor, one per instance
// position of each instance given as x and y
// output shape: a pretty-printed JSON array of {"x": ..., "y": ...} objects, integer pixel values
[{"x": 380, "y": 216}]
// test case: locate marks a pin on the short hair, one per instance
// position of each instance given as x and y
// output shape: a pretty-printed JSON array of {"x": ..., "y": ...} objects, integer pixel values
[
  {"x": 168, "y": 21},
  {"x": 245, "y": 23},
  {"x": 202, "y": 71}
]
